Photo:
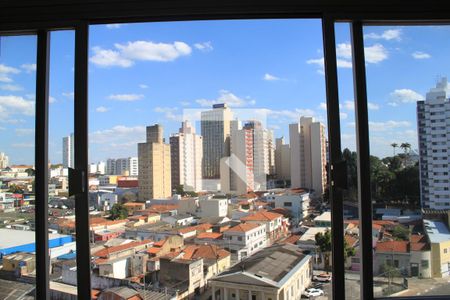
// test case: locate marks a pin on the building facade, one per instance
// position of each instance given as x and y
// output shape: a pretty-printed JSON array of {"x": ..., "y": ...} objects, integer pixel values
[
  {"x": 215, "y": 130},
  {"x": 4, "y": 160},
  {"x": 433, "y": 127},
  {"x": 154, "y": 166},
  {"x": 128, "y": 166},
  {"x": 282, "y": 159},
  {"x": 308, "y": 155},
  {"x": 68, "y": 151},
  {"x": 186, "y": 150},
  {"x": 245, "y": 239}
]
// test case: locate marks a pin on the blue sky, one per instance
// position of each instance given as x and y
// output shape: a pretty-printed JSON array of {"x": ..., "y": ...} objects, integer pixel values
[{"x": 141, "y": 74}]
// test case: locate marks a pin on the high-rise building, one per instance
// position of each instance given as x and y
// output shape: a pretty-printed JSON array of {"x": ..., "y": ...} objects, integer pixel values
[
  {"x": 433, "y": 126},
  {"x": 154, "y": 166},
  {"x": 282, "y": 159},
  {"x": 122, "y": 166},
  {"x": 97, "y": 168},
  {"x": 68, "y": 151},
  {"x": 4, "y": 160},
  {"x": 215, "y": 130},
  {"x": 308, "y": 155},
  {"x": 186, "y": 150}
]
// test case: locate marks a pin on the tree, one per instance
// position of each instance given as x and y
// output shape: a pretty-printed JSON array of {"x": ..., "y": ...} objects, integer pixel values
[
  {"x": 30, "y": 172},
  {"x": 389, "y": 272},
  {"x": 128, "y": 197},
  {"x": 394, "y": 145},
  {"x": 118, "y": 212},
  {"x": 15, "y": 189},
  {"x": 405, "y": 147},
  {"x": 323, "y": 241},
  {"x": 401, "y": 233}
]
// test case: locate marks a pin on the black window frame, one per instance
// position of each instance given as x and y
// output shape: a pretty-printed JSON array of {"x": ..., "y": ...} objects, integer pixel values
[{"x": 42, "y": 16}]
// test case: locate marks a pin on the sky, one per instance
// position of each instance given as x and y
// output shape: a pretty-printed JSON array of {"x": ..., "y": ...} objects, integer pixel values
[{"x": 146, "y": 73}]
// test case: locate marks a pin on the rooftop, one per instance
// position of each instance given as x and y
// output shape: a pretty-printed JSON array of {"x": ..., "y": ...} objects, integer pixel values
[
  {"x": 209, "y": 235},
  {"x": 325, "y": 216},
  {"x": 270, "y": 264},
  {"x": 262, "y": 216},
  {"x": 244, "y": 227},
  {"x": 204, "y": 251},
  {"x": 12, "y": 238},
  {"x": 108, "y": 251},
  {"x": 437, "y": 231}
]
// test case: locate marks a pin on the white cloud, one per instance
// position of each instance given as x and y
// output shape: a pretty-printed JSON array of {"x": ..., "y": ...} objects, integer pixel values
[
  {"x": 375, "y": 54},
  {"x": 385, "y": 126},
  {"x": 143, "y": 86},
  {"x": 269, "y": 77},
  {"x": 401, "y": 96},
  {"x": 11, "y": 87},
  {"x": 169, "y": 113},
  {"x": 8, "y": 70},
  {"x": 226, "y": 97},
  {"x": 126, "y": 97},
  {"x": 23, "y": 145},
  {"x": 205, "y": 46},
  {"x": 323, "y": 106},
  {"x": 343, "y": 115},
  {"x": 372, "y": 106},
  {"x": 4, "y": 78},
  {"x": 118, "y": 134},
  {"x": 344, "y": 50},
  {"x": 420, "y": 55},
  {"x": 125, "y": 55},
  {"x": 24, "y": 131},
  {"x": 15, "y": 105},
  {"x": 185, "y": 103},
  {"x": 52, "y": 100},
  {"x": 388, "y": 35},
  {"x": 113, "y": 26},
  {"x": 109, "y": 58},
  {"x": 101, "y": 109},
  {"x": 29, "y": 68},
  {"x": 68, "y": 94}
]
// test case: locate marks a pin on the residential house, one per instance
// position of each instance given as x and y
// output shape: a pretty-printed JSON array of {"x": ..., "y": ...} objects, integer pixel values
[
  {"x": 272, "y": 221},
  {"x": 245, "y": 239}
]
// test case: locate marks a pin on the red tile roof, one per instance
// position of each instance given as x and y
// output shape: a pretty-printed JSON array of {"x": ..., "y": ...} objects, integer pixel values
[
  {"x": 108, "y": 251},
  {"x": 200, "y": 228},
  {"x": 209, "y": 235},
  {"x": 262, "y": 216},
  {"x": 292, "y": 239},
  {"x": 392, "y": 246},
  {"x": 351, "y": 240},
  {"x": 244, "y": 227},
  {"x": 204, "y": 251}
]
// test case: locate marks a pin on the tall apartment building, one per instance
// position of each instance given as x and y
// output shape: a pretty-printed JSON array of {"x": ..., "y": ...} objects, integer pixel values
[
  {"x": 68, "y": 151},
  {"x": 4, "y": 160},
  {"x": 433, "y": 124},
  {"x": 122, "y": 166},
  {"x": 282, "y": 159},
  {"x": 97, "y": 168},
  {"x": 186, "y": 150},
  {"x": 154, "y": 166},
  {"x": 308, "y": 154},
  {"x": 215, "y": 130}
]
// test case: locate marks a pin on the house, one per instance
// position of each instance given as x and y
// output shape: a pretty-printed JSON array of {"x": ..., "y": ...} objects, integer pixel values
[
  {"x": 323, "y": 220},
  {"x": 214, "y": 207},
  {"x": 163, "y": 247},
  {"x": 192, "y": 231},
  {"x": 215, "y": 259},
  {"x": 410, "y": 258},
  {"x": 209, "y": 238},
  {"x": 272, "y": 221},
  {"x": 439, "y": 237},
  {"x": 120, "y": 293},
  {"x": 245, "y": 239},
  {"x": 295, "y": 200},
  {"x": 21, "y": 263},
  {"x": 179, "y": 220},
  {"x": 278, "y": 272},
  {"x": 133, "y": 207}
]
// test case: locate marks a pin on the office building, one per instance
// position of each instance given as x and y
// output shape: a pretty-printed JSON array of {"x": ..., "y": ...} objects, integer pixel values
[
  {"x": 308, "y": 155},
  {"x": 433, "y": 128},
  {"x": 154, "y": 166},
  {"x": 215, "y": 130},
  {"x": 68, "y": 151},
  {"x": 186, "y": 150},
  {"x": 4, "y": 160},
  {"x": 127, "y": 166}
]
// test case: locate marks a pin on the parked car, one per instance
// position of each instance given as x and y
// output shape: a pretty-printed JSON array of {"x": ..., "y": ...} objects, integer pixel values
[
  {"x": 312, "y": 292},
  {"x": 322, "y": 277}
]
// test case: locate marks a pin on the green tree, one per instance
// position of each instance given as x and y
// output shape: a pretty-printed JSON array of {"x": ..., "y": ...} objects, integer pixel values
[
  {"x": 390, "y": 272},
  {"x": 394, "y": 145},
  {"x": 118, "y": 212},
  {"x": 15, "y": 189},
  {"x": 30, "y": 172},
  {"x": 323, "y": 241},
  {"x": 401, "y": 232}
]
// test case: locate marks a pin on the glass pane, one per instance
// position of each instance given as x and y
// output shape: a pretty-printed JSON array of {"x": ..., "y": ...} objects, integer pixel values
[
  {"x": 409, "y": 145},
  {"x": 61, "y": 151},
  {"x": 17, "y": 127},
  {"x": 208, "y": 142}
]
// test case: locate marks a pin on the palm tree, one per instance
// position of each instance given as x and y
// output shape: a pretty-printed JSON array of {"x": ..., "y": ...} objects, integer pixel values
[
  {"x": 405, "y": 147},
  {"x": 394, "y": 145}
]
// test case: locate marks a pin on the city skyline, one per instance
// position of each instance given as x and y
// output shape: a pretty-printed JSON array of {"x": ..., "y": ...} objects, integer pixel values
[{"x": 191, "y": 55}]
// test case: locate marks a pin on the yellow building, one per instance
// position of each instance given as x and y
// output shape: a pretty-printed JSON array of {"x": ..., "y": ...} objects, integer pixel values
[
  {"x": 23, "y": 262},
  {"x": 154, "y": 166},
  {"x": 439, "y": 237}
]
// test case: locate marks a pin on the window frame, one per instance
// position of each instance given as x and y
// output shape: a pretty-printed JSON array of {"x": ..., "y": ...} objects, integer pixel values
[{"x": 25, "y": 18}]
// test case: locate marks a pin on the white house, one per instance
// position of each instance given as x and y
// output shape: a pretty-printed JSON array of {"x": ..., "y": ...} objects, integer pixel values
[
  {"x": 295, "y": 200},
  {"x": 245, "y": 239},
  {"x": 214, "y": 207},
  {"x": 179, "y": 220}
]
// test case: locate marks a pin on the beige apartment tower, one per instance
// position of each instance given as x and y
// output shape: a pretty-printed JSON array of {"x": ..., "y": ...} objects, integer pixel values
[
  {"x": 154, "y": 166},
  {"x": 308, "y": 155}
]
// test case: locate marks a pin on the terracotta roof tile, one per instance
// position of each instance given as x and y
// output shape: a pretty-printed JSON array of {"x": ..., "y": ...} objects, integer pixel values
[
  {"x": 209, "y": 235},
  {"x": 244, "y": 227},
  {"x": 392, "y": 246},
  {"x": 104, "y": 253},
  {"x": 262, "y": 216}
]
